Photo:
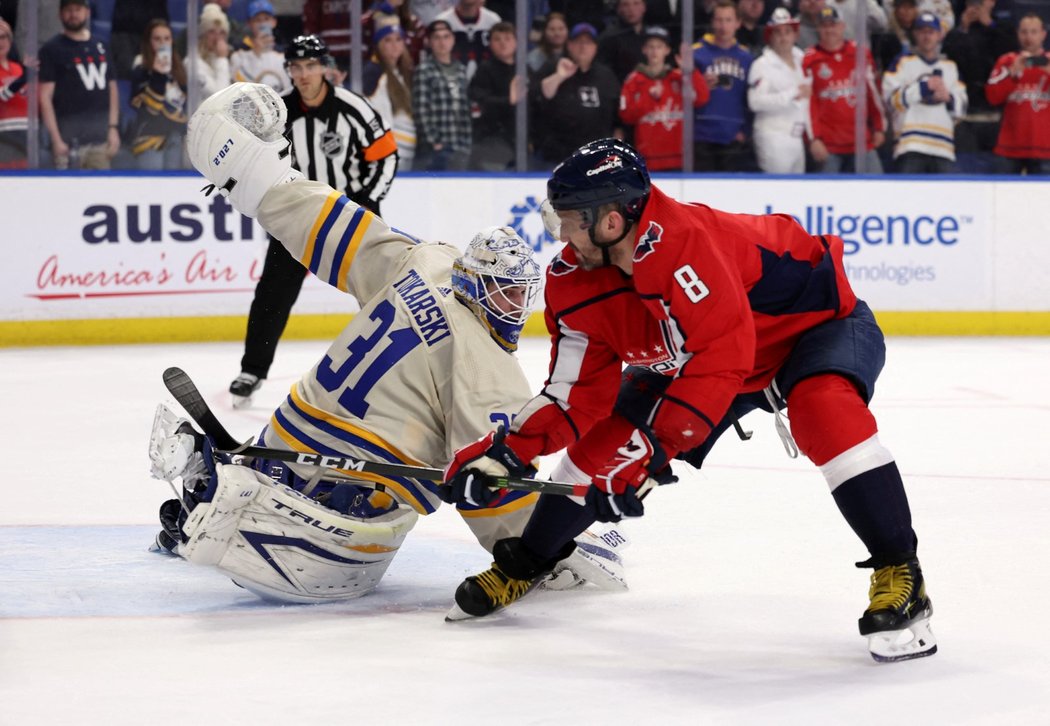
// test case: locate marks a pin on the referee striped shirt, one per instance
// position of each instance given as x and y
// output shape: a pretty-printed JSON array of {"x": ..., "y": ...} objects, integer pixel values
[{"x": 345, "y": 143}]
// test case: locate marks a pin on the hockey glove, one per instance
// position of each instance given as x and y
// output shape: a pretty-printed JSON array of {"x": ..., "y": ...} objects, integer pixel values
[
  {"x": 618, "y": 487},
  {"x": 471, "y": 476}
]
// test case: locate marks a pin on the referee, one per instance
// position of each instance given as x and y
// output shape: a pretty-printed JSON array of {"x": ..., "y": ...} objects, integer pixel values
[{"x": 339, "y": 139}]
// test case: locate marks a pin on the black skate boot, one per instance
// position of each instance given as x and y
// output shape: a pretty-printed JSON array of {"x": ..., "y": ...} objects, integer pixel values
[
  {"x": 515, "y": 573},
  {"x": 242, "y": 388},
  {"x": 896, "y": 622}
]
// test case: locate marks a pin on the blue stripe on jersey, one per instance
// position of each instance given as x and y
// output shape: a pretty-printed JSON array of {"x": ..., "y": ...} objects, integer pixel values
[
  {"x": 791, "y": 286},
  {"x": 344, "y": 243},
  {"x": 929, "y": 135},
  {"x": 322, "y": 235},
  {"x": 411, "y": 486}
]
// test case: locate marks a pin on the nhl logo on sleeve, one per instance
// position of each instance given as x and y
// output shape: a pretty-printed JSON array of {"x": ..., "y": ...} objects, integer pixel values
[{"x": 645, "y": 245}]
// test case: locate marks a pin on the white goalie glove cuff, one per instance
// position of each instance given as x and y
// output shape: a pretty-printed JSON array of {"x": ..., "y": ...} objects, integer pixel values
[{"x": 236, "y": 140}]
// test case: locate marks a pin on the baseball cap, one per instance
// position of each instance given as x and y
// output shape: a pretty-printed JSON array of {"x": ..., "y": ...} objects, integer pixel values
[
  {"x": 438, "y": 25},
  {"x": 780, "y": 17},
  {"x": 926, "y": 20},
  {"x": 259, "y": 6},
  {"x": 581, "y": 29},
  {"x": 71, "y": 2},
  {"x": 655, "y": 31},
  {"x": 828, "y": 14}
]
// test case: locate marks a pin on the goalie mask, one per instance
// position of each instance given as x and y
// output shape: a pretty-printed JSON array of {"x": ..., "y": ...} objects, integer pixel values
[{"x": 499, "y": 280}]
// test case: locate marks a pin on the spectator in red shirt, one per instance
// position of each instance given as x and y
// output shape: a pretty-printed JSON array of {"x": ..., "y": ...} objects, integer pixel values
[
  {"x": 651, "y": 101},
  {"x": 830, "y": 66},
  {"x": 1021, "y": 83},
  {"x": 13, "y": 106}
]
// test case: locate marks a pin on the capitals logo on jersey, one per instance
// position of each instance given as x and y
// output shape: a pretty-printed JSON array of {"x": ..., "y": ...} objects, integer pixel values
[
  {"x": 560, "y": 267},
  {"x": 645, "y": 245}
]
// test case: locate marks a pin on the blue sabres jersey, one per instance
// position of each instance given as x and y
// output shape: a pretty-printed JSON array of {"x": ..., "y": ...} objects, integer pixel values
[{"x": 725, "y": 114}]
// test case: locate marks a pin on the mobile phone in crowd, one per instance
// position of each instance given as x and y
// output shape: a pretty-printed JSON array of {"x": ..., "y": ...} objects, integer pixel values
[{"x": 1036, "y": 61}]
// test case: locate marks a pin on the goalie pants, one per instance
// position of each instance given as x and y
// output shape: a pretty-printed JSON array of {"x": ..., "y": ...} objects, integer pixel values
[{"x": 827, "y": 381}]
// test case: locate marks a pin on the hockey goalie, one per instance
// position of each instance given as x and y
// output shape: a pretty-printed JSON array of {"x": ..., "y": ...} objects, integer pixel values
[{"x": 426, "y": 367}]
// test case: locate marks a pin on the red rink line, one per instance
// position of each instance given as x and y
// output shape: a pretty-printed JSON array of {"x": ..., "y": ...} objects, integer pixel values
[{"x": 142, "y": 293}]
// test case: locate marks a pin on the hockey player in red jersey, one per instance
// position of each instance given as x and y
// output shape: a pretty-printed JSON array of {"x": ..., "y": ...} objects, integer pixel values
[{"x": 716, "y": 314}]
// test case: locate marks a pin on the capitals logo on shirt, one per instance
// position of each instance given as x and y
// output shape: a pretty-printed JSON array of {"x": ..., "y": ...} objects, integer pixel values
[{"x": 645, "y": 245}]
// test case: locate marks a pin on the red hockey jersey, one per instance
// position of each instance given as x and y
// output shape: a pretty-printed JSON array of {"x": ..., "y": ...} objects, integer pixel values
[
  {"x": 716, "y": 300},
  {"x": 1025, "y": 130},
  {"x": 657, "y": 119},
  {"x": 834, "y": 100}
]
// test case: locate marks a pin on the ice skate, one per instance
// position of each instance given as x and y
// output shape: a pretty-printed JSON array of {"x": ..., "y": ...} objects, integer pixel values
[
  {"x": 484, "y": 594},
  {"x": 242, "y": 388},
  {"x": 897, "y": 622}
]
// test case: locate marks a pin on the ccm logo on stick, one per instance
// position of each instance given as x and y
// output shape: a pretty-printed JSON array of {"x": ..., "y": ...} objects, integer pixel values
[{"x": 222, "y": 152}]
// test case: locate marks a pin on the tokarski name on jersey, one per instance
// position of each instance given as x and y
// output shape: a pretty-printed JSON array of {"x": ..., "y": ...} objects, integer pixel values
[{"x": 423, "y": 307}]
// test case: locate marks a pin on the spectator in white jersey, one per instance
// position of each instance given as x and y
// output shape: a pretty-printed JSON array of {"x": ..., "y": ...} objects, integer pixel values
[
  {"x": 927, "y": 98},
  {"x": 339, "y": 139},
  {"x": 260, "y": 62},
  {"x": 425, "y": 366}
]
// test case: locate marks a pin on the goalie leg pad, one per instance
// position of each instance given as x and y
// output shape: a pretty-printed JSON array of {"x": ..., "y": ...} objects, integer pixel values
[
  {"x": 235, "y": 139},
  {"x": 283, "y": 546},
  {"x": 596, "y": 560}
]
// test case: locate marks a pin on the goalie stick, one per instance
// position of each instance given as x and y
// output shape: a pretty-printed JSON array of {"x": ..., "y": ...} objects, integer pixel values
[{"x": 182, "y": 387}]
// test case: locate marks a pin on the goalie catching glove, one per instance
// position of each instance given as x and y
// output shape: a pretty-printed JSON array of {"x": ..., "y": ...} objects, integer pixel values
[
  {"x": 471, "y": 477},
  {"x": 618, "y": 487},
  {"x": 236, "y": 140}
]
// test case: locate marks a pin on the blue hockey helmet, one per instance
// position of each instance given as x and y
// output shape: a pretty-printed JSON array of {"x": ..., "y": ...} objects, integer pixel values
[
  {"x": 606, "y": 171},
  {"x": 499, "y": 279}
]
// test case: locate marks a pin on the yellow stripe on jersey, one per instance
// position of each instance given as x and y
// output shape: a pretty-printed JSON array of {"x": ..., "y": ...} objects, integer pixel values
[
  {"x": 525, "y": 501},
  {"x": 351, "y": 250},
  {"x": 296, "y": 445},
  {"x": 345, "y": 425},
  {"x": 326, "y": 209}
]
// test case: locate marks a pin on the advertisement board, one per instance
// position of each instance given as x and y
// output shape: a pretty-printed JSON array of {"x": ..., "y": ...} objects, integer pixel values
[{"x": 109, "y": 246}]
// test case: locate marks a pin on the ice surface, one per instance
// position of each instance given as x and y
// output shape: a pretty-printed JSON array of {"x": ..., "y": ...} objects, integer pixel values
[{"x": 743, "y": 599}]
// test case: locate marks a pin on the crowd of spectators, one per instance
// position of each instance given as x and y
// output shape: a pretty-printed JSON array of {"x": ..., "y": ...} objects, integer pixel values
[{"x": 947, "y": 85}]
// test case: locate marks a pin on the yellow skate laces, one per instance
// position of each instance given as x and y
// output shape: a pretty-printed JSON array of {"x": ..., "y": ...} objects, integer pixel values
[
  {"x": 500, "y": 589},
  {"x": 891, "y": 588}
]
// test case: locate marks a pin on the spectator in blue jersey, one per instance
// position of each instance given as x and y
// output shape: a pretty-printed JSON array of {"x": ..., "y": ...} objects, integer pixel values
[
  {"x": 78, "y": 93},
  {"x": 722, "y": 125}
]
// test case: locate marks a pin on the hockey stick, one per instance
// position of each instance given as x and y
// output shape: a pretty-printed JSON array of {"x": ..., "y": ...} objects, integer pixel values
[{"x": 185, "y": 392}]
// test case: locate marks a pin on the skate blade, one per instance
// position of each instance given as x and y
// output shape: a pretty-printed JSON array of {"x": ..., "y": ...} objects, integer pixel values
[
  {"x": 891, "y": 646},
  {"x": 457, "y": 614}
]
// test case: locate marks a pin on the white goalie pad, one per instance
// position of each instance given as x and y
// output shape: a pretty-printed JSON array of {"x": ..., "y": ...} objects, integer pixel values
[
  {"x": 283, "y": 546},
  {"x": 236, "y": 140},
  {"x": 597, "y": 559}
]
